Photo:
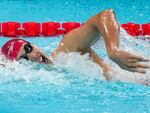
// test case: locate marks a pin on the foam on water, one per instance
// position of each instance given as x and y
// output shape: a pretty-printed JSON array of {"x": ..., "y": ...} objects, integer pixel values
[
  {"x": 73, "y": 84},
  {"x": 81, "y": 66},
  {"x": 137, "y": 47},
  {"x": 28, "y": 71}
]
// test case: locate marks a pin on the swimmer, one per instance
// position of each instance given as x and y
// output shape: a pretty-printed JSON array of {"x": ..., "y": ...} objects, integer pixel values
[{"x": 80, "y": 40}]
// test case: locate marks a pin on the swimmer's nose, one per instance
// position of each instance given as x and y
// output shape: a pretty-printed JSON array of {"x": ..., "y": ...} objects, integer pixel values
[
  {"x": 38, "y": 57},
  {"x": 32, "y": 56}
]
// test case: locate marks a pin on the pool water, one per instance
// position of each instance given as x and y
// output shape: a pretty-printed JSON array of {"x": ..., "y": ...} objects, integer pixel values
[{"x": 74, "y": 84}]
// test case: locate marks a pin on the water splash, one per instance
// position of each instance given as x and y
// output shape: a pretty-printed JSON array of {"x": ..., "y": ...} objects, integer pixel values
[
  {"x": 81, "y": 64},
  {"x": 16, "y": 71},
  {"x": 132, "y": 45},
  {"x": 74, "y": 80},
  {"x": 73, "y": 64}
]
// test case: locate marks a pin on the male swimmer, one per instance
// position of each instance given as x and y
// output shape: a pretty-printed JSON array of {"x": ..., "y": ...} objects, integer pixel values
[{"x": 81, "y": 40}]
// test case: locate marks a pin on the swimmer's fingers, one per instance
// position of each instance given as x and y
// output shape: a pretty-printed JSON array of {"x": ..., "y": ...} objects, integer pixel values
[
  {"x": 139, "y": 70},
  {"x": 139, "y": 58},
  {"x": 137, "y": 64},
  {"x": 133, "y": 60},
  {"x": 137, "y": 67}
]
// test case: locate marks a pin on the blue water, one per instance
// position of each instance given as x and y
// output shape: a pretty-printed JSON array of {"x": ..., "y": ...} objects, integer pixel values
[
  {"x": 72, "y": 10},
  {"x": 75, "y": 84}
]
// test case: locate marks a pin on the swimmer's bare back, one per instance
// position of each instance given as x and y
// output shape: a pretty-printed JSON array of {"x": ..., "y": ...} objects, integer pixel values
[{"x": 105, "y": 24}]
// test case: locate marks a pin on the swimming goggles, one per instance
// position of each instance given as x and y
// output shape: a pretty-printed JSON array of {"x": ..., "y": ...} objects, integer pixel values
[{"x": 28, "y": 49}]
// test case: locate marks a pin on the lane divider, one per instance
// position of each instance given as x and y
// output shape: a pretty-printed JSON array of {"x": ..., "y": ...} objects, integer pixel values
[
  {"x": 137, "y": 29},
  {"x": 51, "y": 29}
]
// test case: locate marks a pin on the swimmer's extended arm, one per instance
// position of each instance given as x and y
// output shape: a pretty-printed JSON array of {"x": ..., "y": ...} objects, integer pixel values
[
  {"x": 107, "y": 25},
  {"x": 106, "y": 67}
]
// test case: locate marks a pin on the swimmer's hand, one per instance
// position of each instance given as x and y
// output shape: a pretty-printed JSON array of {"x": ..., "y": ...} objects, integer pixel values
[
  {"x": 108, "y": 72},
  {"x": 129, "y": 61}
]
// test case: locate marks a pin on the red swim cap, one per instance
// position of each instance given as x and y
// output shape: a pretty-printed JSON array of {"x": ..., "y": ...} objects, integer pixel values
[{"x": 11, "y": 48}]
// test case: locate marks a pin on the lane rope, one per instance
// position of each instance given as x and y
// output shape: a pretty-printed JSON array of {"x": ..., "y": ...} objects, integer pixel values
[{"x": 53, "y": 29}]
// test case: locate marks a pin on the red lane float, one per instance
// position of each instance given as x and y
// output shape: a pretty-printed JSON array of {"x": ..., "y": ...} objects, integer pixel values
[
  {"x": 70, "y": 26},
  {"x": 50, "y": 28},
  {"x": 35, "y": 29},
  {"x": 136, "y": 30},
  {"x": 9, "y": 29},
  {"x": 146, "y": 29},
  {"x": 31, "y": 29},
  {"x": 60, "y": 32},
  {"x": 132, "y": 29},
  {"x": 21, "y": 32}
]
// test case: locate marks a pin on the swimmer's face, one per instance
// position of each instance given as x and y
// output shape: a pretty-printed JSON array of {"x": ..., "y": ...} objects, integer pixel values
[{"x": 31, "y": 52}]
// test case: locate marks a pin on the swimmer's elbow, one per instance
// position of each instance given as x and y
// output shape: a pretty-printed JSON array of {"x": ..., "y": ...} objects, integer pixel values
[{"x": 104, "y": 14}]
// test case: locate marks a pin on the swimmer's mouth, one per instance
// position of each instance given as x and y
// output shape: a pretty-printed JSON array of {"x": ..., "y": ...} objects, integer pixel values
[{"x": 43, "y": 59}]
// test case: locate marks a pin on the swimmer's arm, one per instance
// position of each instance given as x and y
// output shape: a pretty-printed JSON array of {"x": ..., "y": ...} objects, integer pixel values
[
  {"x": 109, "y": 28},
  {"x": 106, "y": 68}
]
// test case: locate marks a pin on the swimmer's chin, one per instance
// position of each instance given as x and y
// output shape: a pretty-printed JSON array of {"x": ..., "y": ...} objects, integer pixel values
[
  {"x": 49, "y": 62},
  {"x": 45, "y": 60}
]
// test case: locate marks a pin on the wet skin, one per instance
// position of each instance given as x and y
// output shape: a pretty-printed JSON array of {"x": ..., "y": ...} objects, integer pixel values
[
  {"x": 81, "y": 40},
  {"x": 37, "y": 55}
]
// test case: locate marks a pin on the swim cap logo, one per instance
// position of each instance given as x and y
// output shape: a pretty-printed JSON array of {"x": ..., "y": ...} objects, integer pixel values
[{"x": 10, "y": 48}]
